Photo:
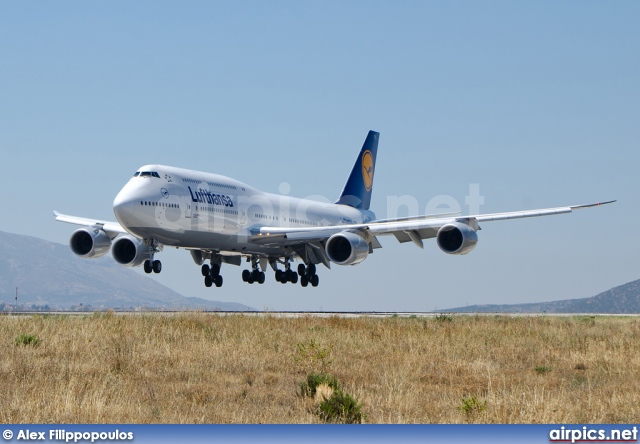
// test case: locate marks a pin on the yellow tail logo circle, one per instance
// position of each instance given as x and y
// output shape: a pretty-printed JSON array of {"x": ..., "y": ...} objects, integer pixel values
[{"x": 367, "y": 169}]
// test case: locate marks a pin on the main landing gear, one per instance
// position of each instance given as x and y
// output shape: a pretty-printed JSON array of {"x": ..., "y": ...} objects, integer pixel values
[
  {"x": 287, "y": 275},
  {"x": 211, "y": 275},
  {"x": 253, "y": 275},
  {"x": 308, "y": 275},
  {"x": 151, "y": 265}
]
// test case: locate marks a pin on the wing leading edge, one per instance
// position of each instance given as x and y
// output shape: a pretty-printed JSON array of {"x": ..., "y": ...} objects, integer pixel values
[
  {"x": 404, "y": 229},
  {"x": 111, "y": 228},
  {"x": 413, "y": 229}
]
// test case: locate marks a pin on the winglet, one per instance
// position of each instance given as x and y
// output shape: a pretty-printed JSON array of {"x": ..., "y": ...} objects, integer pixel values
[
  {"x": 357, "y": 190},
  {"x": 579, "y": 207}
]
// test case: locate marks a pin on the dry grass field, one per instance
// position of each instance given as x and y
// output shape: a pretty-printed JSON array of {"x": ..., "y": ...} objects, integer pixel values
[{"x": 208, "y": 368}]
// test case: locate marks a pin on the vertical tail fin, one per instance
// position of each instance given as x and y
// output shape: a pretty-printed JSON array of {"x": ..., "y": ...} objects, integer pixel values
[{"x": 357, "y": 190}]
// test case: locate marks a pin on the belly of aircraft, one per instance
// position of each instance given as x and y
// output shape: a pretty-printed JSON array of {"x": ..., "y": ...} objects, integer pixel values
[{"x": 233, "y": 243}]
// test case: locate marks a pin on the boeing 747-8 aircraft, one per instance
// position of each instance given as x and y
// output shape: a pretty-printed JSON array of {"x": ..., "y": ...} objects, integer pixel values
[{"x": 223, "y": 221}]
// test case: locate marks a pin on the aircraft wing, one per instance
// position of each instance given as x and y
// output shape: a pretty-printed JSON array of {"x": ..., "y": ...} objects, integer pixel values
[
  {"x": 111, "y": 228},
  {"x": 405, "y": 230}
]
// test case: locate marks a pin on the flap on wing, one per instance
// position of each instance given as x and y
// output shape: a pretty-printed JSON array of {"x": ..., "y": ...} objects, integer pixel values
[
  {"x": 401, "y": 236},
  {"x": 375, "y": 243}
]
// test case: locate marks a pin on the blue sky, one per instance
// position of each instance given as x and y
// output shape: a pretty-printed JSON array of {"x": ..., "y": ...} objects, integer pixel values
[{"x": 537, "y": 102}]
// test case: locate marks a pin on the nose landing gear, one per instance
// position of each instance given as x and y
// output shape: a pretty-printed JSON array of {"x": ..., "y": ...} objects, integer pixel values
[{"x": 150, "y": 265}]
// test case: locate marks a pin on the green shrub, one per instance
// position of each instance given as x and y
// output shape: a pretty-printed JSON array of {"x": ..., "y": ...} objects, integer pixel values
[
  {"x": 309, "y": 387},
  {"x": 471, "y": 404},
  {"x": 342, "y": 408},
  {"x": 541, "y": 369},
  {"x": 24, "y": 339}
]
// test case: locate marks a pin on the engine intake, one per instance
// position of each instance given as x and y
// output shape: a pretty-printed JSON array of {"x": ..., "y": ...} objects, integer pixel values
[
  {"x": 457, "y": 238},
  {"x": 129, "y": 251},
  {"x": 347, "y": 248},
  {"x": 89, "y": 243}
]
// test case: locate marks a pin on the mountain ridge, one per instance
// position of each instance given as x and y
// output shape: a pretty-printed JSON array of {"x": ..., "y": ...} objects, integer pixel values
[
  {"x": 49, "y": 274},
  {"x": 623, "y": 299}
]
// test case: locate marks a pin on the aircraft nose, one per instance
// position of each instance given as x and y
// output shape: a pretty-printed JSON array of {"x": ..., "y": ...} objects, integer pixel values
[{"x": 123, "y": 206}]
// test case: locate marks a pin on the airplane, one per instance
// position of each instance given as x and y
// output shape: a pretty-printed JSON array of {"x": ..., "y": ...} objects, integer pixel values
[{"x": 221, "y": 220}]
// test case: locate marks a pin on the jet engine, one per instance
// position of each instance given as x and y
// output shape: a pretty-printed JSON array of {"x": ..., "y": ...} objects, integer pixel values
[
  {"x": 347, "y": 248},
  {"x": 457, "y": 238},
  {"x": 129, "y": 251},
  {"x": 90, "y": 242}
]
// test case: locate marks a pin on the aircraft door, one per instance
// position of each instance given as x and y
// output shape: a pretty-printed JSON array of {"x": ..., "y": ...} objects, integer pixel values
[
  {"x": 242, "y": 213},
  {"x": 187, "y": 208}
]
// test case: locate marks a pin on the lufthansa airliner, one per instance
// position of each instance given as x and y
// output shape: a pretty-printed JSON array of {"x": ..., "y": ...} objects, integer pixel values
[{"x": 223, "y": 221}]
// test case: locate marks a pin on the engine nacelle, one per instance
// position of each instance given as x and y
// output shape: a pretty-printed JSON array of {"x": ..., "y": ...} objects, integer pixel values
[
  {"x": 457, "y": 238},
  {"x": 347, "y": 248},
  {"x": 88, "y": 242},
  {"x": 129, "y": 251}
]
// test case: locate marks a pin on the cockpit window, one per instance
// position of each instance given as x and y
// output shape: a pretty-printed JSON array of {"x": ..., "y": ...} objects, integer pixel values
[{"x": 147, "y": 173}]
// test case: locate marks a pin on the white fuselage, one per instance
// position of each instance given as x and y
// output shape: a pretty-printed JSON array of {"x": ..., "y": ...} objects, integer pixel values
[{"x": 191, "y": 209}]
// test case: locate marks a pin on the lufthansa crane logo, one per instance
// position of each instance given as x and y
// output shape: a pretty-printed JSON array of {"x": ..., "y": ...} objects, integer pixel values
[{"x": 367, "y": 169}]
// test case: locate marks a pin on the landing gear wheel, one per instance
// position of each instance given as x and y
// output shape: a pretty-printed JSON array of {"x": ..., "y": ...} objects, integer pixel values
[
  {"x": 290, "y": 276},
  {"x": 207, "y": 281},
  {"x": 311, "y": 270},
  {"x": 301, "y": 270},
  {"x": 205, "y": 269},
  {"x": 218, "y": 281},
  {"x": 315, "y": 280},
  {"x": 279, "y": 274},
  {"x": 283, "y": 278},
  {"x": 215, "y": 270},
  {"x": 147, "y": 267},
  {"x": 261, "y": 278},
  {"x": 304, "y": 280},
  {"x": 250, "y": 280},
  {"x": 246, "y": 274},
  {"x": 294, "y": 278},
  {"x": 157, "y": 266}
]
